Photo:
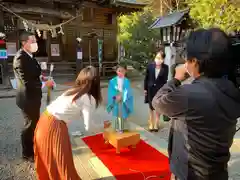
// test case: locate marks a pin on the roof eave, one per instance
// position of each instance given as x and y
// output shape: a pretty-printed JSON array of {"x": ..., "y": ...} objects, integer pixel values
[
  {"x": 185, "y": 11},
  {"x": 130, "y": 5}
]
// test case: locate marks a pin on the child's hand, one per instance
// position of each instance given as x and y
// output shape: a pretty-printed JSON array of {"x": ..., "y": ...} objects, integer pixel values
[
  {"x": 118, "y": 98},
  {"x": 49, "y": 83}
]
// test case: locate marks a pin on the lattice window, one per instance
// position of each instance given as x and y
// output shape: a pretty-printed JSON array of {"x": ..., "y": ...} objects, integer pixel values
[
  {"x": 108, "y": 19},
  {"x": 108, "y": 34},
  {"x": 69, "y": 42},
  {"x": 109, "y": 43},
  {"x": 10, "y": 23},
  {"x": 99, "y": 32}
]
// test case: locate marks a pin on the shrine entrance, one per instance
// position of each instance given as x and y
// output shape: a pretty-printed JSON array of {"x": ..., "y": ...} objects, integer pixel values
[{"x": 42, "y": 44}]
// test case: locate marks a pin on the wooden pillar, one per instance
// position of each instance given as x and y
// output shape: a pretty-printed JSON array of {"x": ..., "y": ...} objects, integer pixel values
[
  {"x": 1, "y": 21},
  {"x": 4, "y": 62},
  {"x": 48, "y": 47}
]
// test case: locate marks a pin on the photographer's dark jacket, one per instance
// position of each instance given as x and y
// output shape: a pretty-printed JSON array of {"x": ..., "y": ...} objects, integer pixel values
[
  {"x": 204, "y": 116},
  {"x": 27, "y": 72}
]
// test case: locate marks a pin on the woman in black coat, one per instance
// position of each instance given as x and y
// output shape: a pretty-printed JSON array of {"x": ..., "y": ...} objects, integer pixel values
[{"x": 156, "y": 76}]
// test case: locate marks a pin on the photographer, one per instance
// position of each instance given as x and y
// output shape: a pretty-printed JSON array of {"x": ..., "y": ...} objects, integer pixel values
[{"x": 204, "y": 113}]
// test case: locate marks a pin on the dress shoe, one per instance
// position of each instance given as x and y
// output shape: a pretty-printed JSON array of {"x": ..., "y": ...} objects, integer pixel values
[
  {"x": 150, "y": 128},
  {"x": 28, "y": 158},
  {"x": 156, "y": 128}
]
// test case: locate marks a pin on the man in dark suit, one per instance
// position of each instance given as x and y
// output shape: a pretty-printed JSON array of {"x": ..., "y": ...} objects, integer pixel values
[
  {"x": 156, "y": 76},
  {"x": 29, "y": 92}
]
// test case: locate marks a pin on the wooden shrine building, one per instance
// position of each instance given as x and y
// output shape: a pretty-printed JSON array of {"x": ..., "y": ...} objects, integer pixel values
[{"x": 66, "y": 30}]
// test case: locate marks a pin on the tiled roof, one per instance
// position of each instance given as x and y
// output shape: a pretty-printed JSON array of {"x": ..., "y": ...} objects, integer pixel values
[
  {"x": 169, "y": 20},
  {"x": 130, "y": 3}
]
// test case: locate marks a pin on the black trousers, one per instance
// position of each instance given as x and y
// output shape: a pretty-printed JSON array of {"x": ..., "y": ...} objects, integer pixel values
[
  {"x": 31, "y": 115},
  {"x": 221, "y": 175}
]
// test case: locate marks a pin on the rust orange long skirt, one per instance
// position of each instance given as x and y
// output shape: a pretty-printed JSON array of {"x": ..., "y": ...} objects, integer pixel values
[{"x": 52, "y": 149}]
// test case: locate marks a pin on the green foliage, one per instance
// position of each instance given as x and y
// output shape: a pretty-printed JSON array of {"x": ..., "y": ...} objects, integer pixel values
[
  {"x": 224, "y": 14},
  {"x": 137, "y": 39}
]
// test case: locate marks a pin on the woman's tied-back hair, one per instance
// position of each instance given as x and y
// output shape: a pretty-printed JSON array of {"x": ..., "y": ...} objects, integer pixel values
[{"x": 87, "y": 82}]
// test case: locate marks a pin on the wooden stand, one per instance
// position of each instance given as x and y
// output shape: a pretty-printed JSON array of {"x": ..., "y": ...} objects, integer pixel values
[{"x": 120, "y": 140}]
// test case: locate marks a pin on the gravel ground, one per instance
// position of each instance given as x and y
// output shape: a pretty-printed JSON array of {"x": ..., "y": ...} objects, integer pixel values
[{"x": 12, "y": 167}]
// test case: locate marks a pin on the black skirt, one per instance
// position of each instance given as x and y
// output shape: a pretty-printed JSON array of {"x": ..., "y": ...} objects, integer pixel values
[{"x": 149, "y": 97}]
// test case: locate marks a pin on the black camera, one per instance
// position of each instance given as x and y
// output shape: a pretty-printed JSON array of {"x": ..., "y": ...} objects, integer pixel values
[
  {"x": 235, "y": 72},
  {"x": 234, "y": 66}
]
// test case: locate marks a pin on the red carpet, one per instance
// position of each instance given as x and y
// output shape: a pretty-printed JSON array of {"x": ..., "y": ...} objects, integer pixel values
[{"x": 144, "y": 159}]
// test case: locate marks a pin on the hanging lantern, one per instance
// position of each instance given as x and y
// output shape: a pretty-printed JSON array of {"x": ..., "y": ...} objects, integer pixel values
[
  {"x": 164, "y": 35},
  {"x": 32, "y": 30},
  {"x": 176, "y": 34},
  {"x": 169, "y": 35},
  {"x": 172, "y": 34},
  {"x": 53, "y": 32},
  {"x": 61, "y": 31},
  {"x": 179, "y": 33},
  {"x": 45, "y": 35},
  {"x": 25, "y": 25},
  {"x": 13, "y": 23},
  {"x": 38, "y": 33},
  {"x": 2, "y": 35}
]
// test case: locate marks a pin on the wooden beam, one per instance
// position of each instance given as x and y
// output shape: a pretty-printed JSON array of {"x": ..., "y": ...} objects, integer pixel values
[
  {"x": 19, "y": 8},
  {"x": 90, "y": 4},
  {"x": 66, "y": 1}
]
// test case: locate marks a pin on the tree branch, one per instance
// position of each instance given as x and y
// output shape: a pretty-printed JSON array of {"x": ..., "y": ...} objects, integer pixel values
[
  {"x": 167, "y": 5},
  {"x": 177, "y": 4}
]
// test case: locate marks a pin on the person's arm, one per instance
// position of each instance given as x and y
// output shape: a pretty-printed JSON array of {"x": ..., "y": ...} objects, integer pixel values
[
  {"x": 86, "y": 116},
  {"x": 146, "y": 79},
  {"x": 84, "y": 105},
  {"x": 166, "y": 73},
  {"x": 110, "y": 96},
  {"x": 128, "y": 101},
  {"x": 21, "y": 67},
  {"x": 171, "y": 99}
]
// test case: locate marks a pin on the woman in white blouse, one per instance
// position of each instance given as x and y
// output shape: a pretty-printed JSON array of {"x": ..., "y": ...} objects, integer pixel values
[{"x": 52, "y": 146}]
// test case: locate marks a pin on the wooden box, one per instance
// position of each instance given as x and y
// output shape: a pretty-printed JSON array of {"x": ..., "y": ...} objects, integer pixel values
[{"x": 120, "y": 140}]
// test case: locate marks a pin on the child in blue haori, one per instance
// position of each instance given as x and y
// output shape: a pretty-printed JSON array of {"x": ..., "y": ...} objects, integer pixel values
[{"x": 120, "y": 98}]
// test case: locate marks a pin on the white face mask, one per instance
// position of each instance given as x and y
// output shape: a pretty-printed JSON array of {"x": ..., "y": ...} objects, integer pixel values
[{"x": 34, "y": 47}]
